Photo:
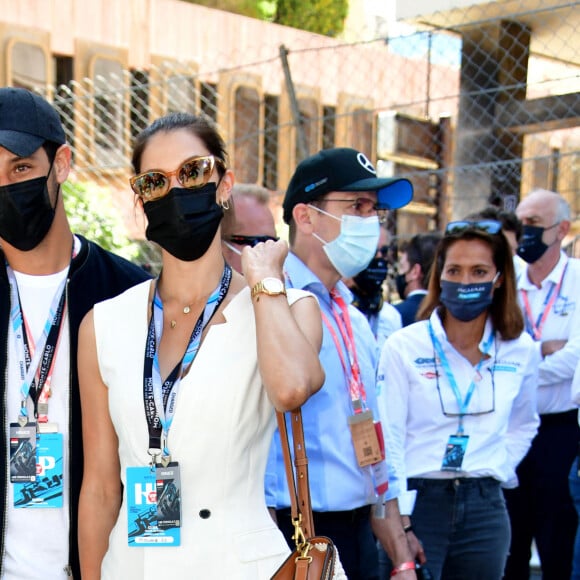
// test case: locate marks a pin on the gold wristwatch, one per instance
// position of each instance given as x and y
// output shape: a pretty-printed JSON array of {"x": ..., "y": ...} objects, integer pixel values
[{"x": 269, "y": 286}]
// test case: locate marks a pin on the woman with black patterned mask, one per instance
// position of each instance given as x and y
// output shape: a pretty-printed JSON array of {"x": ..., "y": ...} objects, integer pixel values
[
  {"x": 180, "y": 378},
  {"x": 459, "y": 389}
]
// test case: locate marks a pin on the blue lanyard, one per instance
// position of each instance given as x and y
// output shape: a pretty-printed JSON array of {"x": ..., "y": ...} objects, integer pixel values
[
  {"x": 463, "y": 404},
  {"x": 160, "y": 397},
  {"x": 36, "y": 368}
]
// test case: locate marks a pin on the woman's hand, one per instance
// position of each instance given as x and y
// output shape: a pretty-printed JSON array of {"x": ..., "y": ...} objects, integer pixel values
[{"x": 264, "y": 260}]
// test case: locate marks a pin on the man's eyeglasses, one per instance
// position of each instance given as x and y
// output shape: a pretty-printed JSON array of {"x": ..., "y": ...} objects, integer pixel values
[
  {"x": 488, "y": 226},
  {"x": 362, "y": 206},
  {"x": 250, "y": 240},
  {"x": 191, "y": 174}
]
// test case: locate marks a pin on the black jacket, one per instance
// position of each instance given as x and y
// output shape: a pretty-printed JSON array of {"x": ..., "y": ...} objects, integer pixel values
[
  {"x": 409, "y": 307},
  {"x": 95, "y": 275}
]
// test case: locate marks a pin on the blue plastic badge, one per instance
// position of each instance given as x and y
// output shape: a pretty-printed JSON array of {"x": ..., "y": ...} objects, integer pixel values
[
  {"x": 454, "y": 453},
  {"x": 46, "y": 491},
  {"x": 142, "y": 511}
]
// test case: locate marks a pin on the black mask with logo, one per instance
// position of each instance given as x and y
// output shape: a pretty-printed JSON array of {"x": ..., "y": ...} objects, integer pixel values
[
  {"x": 531, "y": 246},
  {"x": 26, "y": 213},
  {"x": 368, "y": 294},
  {"x": 185, "y": 221}
]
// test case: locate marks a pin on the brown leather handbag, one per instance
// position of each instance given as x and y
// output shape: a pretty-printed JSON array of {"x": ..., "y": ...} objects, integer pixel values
[{"x": 314, "y": 557}]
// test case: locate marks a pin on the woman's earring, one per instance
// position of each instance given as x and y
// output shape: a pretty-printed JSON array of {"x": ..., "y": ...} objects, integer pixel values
[{"x": 225, "y": 204}]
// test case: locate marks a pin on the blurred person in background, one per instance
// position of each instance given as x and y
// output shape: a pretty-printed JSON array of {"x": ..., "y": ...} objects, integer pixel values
[
  {"x": 247, "y": 221},
  {"x": 415, "y": 259},
  {"x": 368, "y": 292},
  {"x": 541, "y": 508}
]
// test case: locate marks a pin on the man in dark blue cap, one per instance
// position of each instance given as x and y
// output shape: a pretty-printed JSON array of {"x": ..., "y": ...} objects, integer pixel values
[
  {"x": 50, "y": 280},
  {"x": 333, "y": 205}
]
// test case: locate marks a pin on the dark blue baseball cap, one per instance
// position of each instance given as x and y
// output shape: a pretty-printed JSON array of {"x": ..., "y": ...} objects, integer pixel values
[
  {"x": 27, "y": 121},
  {"x": 343, "y": 169}
]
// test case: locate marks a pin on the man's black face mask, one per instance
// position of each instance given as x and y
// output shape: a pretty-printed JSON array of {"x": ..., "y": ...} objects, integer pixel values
[{"x": 26, "y": 213}]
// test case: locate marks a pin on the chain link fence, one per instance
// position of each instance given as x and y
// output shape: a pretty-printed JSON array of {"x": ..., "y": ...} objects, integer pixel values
[{"x": 475, "y": 105}]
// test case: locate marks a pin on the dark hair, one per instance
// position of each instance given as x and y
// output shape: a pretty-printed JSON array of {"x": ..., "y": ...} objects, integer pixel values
[
  {"x": 420, "y": 249},
  {"x": 508, "y": 219},
  {"x": 50, "y": 148},
  {"x": 200, "y": 125},
  {"x": 505, "y": 312}
]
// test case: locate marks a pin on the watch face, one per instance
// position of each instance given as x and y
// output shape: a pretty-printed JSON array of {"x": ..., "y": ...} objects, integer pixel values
[{"x": 273, "y": 285}]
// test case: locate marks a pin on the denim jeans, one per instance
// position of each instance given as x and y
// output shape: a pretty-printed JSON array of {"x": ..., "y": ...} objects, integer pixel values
[
  {"x": 574, "y": 482},
  {"x": 463, "y": 526}
]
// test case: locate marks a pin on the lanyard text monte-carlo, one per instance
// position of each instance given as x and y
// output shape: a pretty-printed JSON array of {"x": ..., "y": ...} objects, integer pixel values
[{"x": 160, "y": 397}]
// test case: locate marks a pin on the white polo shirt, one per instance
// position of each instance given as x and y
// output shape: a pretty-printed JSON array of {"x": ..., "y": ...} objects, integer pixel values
[
  {"x": 415, "y": 392},
  {"x": 555, "y": 371}
]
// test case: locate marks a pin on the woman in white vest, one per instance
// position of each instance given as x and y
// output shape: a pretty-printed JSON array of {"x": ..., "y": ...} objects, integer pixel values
[{"x": 179, "y": 380}]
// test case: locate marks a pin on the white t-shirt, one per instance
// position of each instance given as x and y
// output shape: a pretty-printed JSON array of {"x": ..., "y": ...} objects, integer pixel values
[{"x": 36, "y": 540}]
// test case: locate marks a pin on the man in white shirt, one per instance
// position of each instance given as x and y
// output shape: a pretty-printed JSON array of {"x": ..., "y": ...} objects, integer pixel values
[
  {"x": 541, "y": 507},
  {"x": 49, "y": 280}
]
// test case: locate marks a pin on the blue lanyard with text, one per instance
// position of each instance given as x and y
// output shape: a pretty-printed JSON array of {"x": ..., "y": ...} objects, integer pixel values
[
  {"x": 159, "y": 397},
  {"x": 463, "y": 404},
  {"x": 35, "y": 369}
]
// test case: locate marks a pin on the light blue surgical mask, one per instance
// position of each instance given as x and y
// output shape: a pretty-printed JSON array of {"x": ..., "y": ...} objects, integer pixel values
[{"x": 356, "y": 245}]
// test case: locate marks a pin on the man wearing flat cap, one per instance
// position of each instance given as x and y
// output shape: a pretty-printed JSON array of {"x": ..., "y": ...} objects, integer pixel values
[
  {"x": 333, "y": 205},
  {"x": 49, "y": 280}
]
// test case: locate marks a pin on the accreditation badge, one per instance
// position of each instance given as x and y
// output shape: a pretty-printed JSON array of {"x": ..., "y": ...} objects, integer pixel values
[
  {"x": 168, "y": 484},
  {"x": 454, "y": 453},
  {"x": 142, "y": 520},
  {"x": 365, "y": 439},
  {"x": 22, "y": 452},
  {"x": 46, "y": 491}
]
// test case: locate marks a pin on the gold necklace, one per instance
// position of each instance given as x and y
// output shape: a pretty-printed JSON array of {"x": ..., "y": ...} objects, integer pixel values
[{"x": 186, "y": 310}]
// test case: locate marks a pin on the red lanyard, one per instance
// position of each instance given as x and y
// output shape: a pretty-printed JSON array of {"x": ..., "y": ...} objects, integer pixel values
[
  {"x": 535, "y": 328},
  {"x": 342, "y": 319}
]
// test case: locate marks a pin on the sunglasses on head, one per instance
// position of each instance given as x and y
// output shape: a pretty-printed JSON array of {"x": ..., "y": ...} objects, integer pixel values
[
  {"x": 250, "y": 240},
  {"x": 488, "y": 226},
  {"x": 191, "y": 174}
]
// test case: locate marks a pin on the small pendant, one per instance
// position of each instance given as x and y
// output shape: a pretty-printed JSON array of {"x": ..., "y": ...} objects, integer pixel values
[
  {"x": 173, "y": 324},
  {"x": 186, "y": 310}
]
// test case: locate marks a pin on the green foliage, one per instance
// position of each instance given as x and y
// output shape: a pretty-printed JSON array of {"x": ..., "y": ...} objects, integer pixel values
[
  {"x": 92, "y": 215},
  {"x": 320, "y": 16},
  {"x": 244, "y": 7}
]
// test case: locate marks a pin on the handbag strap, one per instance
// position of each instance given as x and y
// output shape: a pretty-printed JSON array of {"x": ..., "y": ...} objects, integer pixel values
[{"x": 300, "y": 507}]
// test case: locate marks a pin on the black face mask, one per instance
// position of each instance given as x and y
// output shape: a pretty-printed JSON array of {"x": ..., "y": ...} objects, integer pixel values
[
  {"x": 184, "y": 222},
  {"x": 25, "y": 213},
  {"x": 401, "y": 285},
  {"x": 371, "y": 279},
  {"x": 531, "y": 247},
  {"x": 368, "y": 294},
  {"x": 466, "y": 302}
]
